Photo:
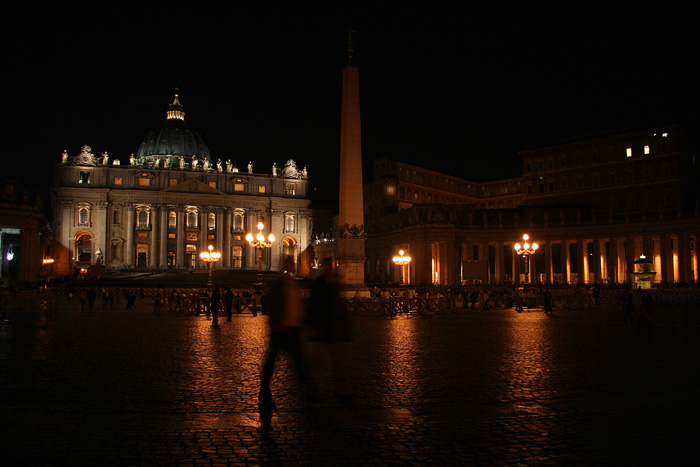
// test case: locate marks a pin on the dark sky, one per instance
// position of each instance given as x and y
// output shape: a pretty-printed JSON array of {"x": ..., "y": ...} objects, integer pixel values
[{"x": 454, "y": 89}]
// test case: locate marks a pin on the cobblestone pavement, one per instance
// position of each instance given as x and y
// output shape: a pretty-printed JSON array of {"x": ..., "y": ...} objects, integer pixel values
[{"x": 122, "y": 388}]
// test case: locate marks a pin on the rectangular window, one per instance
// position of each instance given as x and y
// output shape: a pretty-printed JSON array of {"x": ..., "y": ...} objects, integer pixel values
[
  {"x": 212, "y": 184},
  {"x": 144, "y": 182},
  {"x": 646, "y": 149},
  {"x": 117, "y": 181},
  {"x": 173, "y": 182},
  {"x": 628, "y": 151},
  {"x": 261, "y": 188},
  {"x": 84, "y": 177},
  {"x": 238, "y": 187},
  {"x": 171, "y": 235}
]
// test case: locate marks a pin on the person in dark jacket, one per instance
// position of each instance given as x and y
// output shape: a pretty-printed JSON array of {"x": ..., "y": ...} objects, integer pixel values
[
  {"x": 328, "y": 317},
  {"x": 228, "y": 302}
]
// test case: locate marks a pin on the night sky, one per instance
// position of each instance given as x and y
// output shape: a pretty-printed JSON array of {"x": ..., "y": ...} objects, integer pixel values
[{"x": 457, "y": 90}]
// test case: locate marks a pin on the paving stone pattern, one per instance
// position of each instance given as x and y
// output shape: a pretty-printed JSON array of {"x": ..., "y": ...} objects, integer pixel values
[{"x": 130, "y": 388}]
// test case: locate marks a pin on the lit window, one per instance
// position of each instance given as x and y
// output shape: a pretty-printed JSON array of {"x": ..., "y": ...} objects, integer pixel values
[
  {"x": 142, "y": 219},
  {"x": 117, "y": 180},
  {"x": 83, "y": 216},
  {"x": 171, "y": 235},
  {"x": 629, "y": 152},
  {"x": 211, "y": 220},
  {"x": 238, "y": 187},
  {"x": 172, "y": 220},
  {"x": 238, "y": 221},
  {"x": 261, "y": 188},
  {"x": 173, "y": 182},
  {"x": 144, "y": 182},
  {"x": 289, "y": 222},
  {"x": 212, "y": 184},
  {"x": 192, "y": 219},
  {"x": 646, "y": 149}
]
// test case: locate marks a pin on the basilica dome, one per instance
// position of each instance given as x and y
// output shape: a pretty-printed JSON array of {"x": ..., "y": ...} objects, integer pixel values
[{"x": 173, "y": 139}]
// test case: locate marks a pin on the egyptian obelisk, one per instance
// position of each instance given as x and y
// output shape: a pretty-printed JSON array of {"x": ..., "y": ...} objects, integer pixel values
[{"x": 351, "y": 222}]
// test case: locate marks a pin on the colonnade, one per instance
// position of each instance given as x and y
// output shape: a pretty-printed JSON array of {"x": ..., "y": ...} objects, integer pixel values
[{"x": 439, "y": 259}]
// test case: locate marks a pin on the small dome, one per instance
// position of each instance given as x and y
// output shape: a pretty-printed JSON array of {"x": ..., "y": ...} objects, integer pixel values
[{"x": 173, "y": 139}]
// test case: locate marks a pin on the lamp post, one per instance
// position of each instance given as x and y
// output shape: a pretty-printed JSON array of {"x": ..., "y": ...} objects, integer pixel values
[
  {"x": 401, "y": 260},
  {"x": 260, "y": 243},
  {"x": 210, "y": 257},
  {"x": 526, "y": 249}
]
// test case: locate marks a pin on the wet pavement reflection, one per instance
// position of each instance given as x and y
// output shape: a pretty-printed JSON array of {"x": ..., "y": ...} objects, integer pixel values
[{"x": 474, "y": 388}]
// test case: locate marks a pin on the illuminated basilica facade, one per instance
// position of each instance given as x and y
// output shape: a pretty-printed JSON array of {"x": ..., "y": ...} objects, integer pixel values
[
  {"x": 170, "y": 202},
  {"x": 595, "y": 206}
]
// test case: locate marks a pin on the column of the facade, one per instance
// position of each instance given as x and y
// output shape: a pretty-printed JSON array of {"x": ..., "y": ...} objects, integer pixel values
[
  {"x": 129, "y": 256},
  {"x": 180, "y": 238},
  {"x": 252, "y": 254},
  {"x": 276, "y": 226},
  {"x": 226, "y": 250},
  {"x": 219, "y": 233},
  {"x": 163, "y": 238},
  {"x": 203, "y": 230},
  {"x": 154, "y": 250},
  {"x": 99, "y": 228}
]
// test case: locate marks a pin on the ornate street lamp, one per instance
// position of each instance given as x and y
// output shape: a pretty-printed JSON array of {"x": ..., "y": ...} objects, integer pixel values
[
  {"x": 260, "y": 243},
  {"x": 210, "y": 257},
  {"x": 401, "y": 261},
  {"x": 526, "y": 249}
]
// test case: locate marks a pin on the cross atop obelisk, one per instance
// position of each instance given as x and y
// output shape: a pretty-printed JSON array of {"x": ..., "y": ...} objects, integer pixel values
[{"x": 351, "y": 223}]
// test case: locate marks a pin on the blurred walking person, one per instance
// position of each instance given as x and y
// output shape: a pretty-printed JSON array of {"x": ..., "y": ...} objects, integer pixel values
[
  {"x": 285, "y": 321},
  {"x": 328, "y": 317}
]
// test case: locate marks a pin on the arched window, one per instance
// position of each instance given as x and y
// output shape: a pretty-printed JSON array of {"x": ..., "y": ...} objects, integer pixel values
[
  {"x": 172, "y": 219},
  {"x": 211, "y": 220},
  {"x": 289, "y": 222},
  {"x": 238, "y": 220},
  {"x": 192, "y": 219},
  {"x": 142, "y": 219},
  {"x": 83, "y": 216}
]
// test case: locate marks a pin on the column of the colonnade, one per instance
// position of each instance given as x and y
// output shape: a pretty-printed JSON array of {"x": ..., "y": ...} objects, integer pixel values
[
  {"x": 180, "y": 250},
  {"x": 129, "y": 257},
  {"x": 565, "y": 271},
  {"x": 629, "y": 258},
  {"x": 500, "y": 263},
  {"x": 666, "y": 247},
  {"x": 548, "y": 270},
  {"x": 153, "y": 250},
  {"x": 597, "y": 264},
  {"x": 683, "y": 257},
  {"x": 582, "y": 270},
  {"x": 516, "y": 267},
  {"x": 613, "y": 260},
  {"x": 163, "y": 238}
]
